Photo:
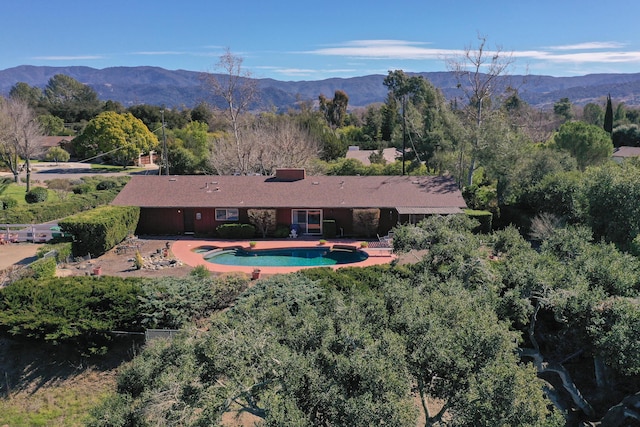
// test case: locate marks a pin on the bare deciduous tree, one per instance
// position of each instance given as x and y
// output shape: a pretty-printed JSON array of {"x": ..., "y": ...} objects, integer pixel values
[
  {"x": 478, "y": 72},
  {"x": 238, "y": 90},
  {"x": 268, "y": 144},
  {"x": 20, "y": 131}
]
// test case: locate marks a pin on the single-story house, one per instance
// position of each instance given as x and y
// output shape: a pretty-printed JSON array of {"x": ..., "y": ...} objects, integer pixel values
[
  {"x": 198, "y": 204},
  {"x": 622, "y": 153},
  {"x": 47, "y": 142}
]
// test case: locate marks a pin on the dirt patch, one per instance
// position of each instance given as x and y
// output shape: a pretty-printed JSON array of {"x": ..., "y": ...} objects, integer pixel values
[
  {"x": 158, "y": 261},
  {"x": 17, "y": 253}
]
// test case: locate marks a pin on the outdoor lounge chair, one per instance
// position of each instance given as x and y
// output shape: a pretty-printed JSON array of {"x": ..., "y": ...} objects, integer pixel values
[{"x": 386, "y": 240}]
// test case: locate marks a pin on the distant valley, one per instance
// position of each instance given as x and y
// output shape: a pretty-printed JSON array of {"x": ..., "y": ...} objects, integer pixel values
[{"x": 158, "y": 86}]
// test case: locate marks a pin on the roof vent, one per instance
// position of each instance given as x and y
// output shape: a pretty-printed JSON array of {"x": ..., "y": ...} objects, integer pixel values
[
  {"x": 315, "y": 183},
  {"x": 172, "y": 179}
]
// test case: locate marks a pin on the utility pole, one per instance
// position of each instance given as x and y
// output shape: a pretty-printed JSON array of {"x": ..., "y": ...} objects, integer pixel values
[
  {"x": 165, "y": 153},
  {"x": 404, "y": 130}
]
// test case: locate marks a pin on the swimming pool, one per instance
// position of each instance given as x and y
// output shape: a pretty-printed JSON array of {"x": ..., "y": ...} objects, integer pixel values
[{"x": 285, "y": 257}]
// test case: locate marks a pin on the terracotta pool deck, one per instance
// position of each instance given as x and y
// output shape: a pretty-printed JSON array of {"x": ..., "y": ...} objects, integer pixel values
[{"x": 183, "y": 249}]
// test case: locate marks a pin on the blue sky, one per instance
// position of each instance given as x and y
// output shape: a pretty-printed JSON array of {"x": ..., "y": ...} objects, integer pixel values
[{"x": 314, "y": 40}]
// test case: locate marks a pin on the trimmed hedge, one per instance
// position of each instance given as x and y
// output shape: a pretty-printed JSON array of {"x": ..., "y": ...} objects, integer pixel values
[
  {"x": 236, "y": 231},
  {"x": 96, "y": 231},
  {"x": 50, "y": 211},
  {"x": 484, "y": 217},
  {"x": 36, "y": 195}
]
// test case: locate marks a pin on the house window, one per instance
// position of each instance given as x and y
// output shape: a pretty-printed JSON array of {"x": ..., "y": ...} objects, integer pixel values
[{"x": 228, "y": 214}]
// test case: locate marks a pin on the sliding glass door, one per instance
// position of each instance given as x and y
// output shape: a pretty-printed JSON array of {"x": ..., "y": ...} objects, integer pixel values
[{"x": 309, "y": 221}]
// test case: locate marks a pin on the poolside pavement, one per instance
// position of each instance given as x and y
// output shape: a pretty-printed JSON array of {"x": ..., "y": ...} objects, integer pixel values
[{"x": 184, "y": 249}]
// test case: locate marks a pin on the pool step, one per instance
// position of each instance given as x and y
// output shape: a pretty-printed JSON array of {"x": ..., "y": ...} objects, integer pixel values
[
  {"x": 345, "y": 247},
  {"x": 212, "y": 252}
]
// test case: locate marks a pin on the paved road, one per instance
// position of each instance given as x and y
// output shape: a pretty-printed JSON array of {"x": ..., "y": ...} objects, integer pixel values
[{"x": 71, "y": 170}]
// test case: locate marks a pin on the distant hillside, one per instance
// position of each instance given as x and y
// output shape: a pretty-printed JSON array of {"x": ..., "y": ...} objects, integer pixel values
[{"x": 157, "y": 86}]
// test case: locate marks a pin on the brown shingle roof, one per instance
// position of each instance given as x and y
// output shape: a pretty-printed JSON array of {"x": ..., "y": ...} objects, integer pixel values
[
  {"x": 625, "y": 151},
  {"x": 311, "y": 192}
]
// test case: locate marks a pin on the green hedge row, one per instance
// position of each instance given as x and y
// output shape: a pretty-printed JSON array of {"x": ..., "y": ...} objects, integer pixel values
[
  {"x": 236, "y": 231},
  {"x": 80, "y": 309},
  {"x": 95, "y": 232},
  {"x": 49, "y": 211},
  {"x": 83, "y": 309},
  {"x": 484, "y": 217}
]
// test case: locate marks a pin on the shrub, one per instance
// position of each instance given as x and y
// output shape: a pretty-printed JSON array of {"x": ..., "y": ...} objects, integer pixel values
[
  {"x": 8, "y": 203},
  {"x": 200, "y": 271},
  {"x": 79, "y": 310},
  {"x": 57, "y": 154},
  {"x": 138, "y": 261},
  {"x": 236, "y": 231},
  {"x": 173, "y": 302},
  {"x": 44, "y": 268},
  {"x": 282, "y": 230},
  {"x": 62, "y": 250},
  {"x": 106, "y": 185},
  {"x": 37, "y": 195},
  {"x": 365, "y": 221},
  {"x": 84, "y": 189}
]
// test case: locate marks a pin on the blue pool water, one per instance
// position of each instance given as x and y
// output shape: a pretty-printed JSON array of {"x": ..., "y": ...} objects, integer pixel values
[{"x": 289, "y": 257}]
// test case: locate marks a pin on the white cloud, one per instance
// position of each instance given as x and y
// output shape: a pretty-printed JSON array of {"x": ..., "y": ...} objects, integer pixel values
[
  {"x": 583, "y": 57},
  {"x": 588, "y": 46},
  {"x": 385, "y": 49},
  {"x": 588, "y": 52},
  {"x": 168, "y": 52},
  {"x": 67, "y": 57}
]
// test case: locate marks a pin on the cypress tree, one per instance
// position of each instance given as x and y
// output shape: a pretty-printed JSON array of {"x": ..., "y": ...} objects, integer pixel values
[{"x": 608, "y": 116}]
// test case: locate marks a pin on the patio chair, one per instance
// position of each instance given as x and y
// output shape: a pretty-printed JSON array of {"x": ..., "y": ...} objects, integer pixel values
[{"x": 386, "y": 240}]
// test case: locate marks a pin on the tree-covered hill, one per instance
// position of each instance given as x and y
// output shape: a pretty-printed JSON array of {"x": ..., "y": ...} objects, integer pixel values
[{"x": 158, "y": 86}]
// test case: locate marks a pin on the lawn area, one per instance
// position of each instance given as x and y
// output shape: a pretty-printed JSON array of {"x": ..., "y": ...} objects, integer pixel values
[
  {"x": 66, "y": 404},
  {"x": 114, "y": 168},
  {"x": 17, "y": 191},
  {"x": 9, "y": 189}
]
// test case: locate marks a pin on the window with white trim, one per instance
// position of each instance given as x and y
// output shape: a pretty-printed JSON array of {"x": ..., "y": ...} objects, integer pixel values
[{"x": 227, "y": 214}]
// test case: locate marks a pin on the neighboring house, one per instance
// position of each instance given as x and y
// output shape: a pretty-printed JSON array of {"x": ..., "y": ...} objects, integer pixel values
[
  {"x": 46, "y": 142},
  {"x": 198, "y": 204},
  {"x": 390, "y": 155},
  {"x": 622, "y": 153}
]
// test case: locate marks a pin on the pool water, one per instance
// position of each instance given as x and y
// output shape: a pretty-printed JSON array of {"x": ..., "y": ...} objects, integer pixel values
[{"x": 289, "y": 257}]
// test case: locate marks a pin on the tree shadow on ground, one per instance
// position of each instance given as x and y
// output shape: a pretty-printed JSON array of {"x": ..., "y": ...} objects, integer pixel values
[{"x": 27, "y": 366}]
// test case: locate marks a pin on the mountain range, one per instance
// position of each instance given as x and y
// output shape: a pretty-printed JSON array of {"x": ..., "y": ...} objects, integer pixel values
[{"x": 178, "y": 88}]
